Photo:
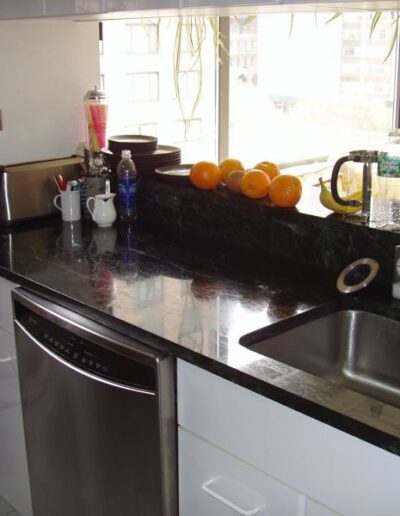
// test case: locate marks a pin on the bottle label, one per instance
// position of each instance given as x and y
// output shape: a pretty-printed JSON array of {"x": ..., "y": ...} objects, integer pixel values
[
  {"x": 127, "y": 192},
  {"x": 389, "y": 165}
]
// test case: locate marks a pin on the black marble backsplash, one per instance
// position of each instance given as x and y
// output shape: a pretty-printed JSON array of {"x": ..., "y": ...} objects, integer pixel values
[{"x": 319, "y": 240}]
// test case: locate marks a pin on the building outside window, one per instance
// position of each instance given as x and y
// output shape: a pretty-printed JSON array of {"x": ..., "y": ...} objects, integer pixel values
[
  {"x": 141, "y": 38},
  {"x": 148, "y": 129},
  {"x": 143, "y": 87},
  {"x": 189, "y": 83}
]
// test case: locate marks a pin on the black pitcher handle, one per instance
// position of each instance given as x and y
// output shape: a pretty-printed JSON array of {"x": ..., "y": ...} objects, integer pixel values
[{"x": 334, "y": 180}]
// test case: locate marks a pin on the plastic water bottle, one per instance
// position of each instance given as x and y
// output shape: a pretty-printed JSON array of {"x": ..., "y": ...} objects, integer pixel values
[{"x": 127, "y": 182}]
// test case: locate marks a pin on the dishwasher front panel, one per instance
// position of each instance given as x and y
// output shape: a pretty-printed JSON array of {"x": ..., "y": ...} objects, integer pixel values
[{"x": 95, "y": 446}]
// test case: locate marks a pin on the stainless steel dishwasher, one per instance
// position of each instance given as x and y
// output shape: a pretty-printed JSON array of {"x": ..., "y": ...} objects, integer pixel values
[{"x": 99, "y": 415}]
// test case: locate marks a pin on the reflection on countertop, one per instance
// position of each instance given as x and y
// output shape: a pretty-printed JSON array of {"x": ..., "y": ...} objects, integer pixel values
[{"x": 196, "y": 300}]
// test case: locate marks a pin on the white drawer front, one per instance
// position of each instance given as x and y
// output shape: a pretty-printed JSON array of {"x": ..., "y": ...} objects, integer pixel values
[
  {"x": 340, "y": 471},
  {"x": 214, "y": 483},
  {"x": 6, "y": 313}
]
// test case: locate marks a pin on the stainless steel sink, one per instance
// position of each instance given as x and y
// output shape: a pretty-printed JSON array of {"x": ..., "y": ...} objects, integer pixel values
[{"x": 353, "y": 348}]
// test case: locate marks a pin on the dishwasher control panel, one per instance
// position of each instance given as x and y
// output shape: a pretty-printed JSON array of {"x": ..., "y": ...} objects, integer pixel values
[{"x": 87, "y": 355}]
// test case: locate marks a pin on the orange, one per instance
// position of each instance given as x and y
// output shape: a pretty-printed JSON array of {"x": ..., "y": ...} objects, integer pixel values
[
  {"x": 269, "y": 168},
  {"x": 205, "y": 175},
  {"x": 285, "y": 191},
  {"x": 255, "y": 184},
  {"x": 228, "y": 165},
  {"x": 234, "y": 180}
]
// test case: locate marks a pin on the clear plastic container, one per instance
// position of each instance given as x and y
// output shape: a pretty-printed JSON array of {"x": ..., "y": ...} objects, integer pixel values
[
  {"x": 387, "y": 197},
  {"x": 96, "y": 110}
]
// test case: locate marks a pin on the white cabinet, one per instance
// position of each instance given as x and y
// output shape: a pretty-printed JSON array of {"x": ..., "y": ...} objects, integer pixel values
[
  {"x": 251, "y": 6},
  {"x": 339, "y": 471},
  {"x": 141, "y": 5},
  {"x": 215, "y": 483},
  {"x": 74, "y": 7},
  {"x": 14, "y": 480},
  {"x": 13, "y": 9},
  {"x": 229, "y": 3}
]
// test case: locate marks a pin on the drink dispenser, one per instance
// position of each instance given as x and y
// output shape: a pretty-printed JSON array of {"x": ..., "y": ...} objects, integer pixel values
[{"x": 96, "y": 110}]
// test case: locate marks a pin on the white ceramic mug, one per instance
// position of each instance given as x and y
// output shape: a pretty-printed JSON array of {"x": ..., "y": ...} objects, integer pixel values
[{"x": 70, "y": 206}]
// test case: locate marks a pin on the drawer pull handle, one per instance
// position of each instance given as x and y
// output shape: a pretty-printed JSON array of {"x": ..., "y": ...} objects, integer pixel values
[{"x": 222, "y": 485}]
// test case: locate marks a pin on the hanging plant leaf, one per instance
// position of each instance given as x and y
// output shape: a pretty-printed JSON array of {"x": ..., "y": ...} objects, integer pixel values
[
  {"x": 245, "y": 20},
  {"x": 336, "y": 15},
  {"x": 374, "y": 22},
  {"x": 291, "y": 25},
  {"x": 217, "y": 36},
  {"x": 177, "y": 62},
  {"x": 200, "y": 35},
  {"x": 394, "y": 38}
]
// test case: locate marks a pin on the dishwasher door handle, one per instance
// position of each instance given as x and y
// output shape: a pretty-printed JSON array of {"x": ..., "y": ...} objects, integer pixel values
[{"x": 94, "y": 377}]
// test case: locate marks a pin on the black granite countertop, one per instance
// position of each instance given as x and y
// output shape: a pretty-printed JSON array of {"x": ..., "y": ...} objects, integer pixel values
[{"x": 196, "y": 300}]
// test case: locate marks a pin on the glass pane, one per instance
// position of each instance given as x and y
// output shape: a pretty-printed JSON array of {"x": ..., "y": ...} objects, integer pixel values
[
  {"x": 137, "y": 64},
  {"x": 321, "y": 90}
]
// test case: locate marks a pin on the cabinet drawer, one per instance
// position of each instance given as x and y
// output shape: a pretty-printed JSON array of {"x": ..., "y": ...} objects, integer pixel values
[
  {"x": 342, "y": 472},
  {"x": 6, "y": 312},
  {"x": 216, "y": 483}
]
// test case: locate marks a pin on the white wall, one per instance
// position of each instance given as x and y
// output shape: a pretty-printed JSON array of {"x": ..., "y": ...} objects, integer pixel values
[{"x": 46, "y": 67}]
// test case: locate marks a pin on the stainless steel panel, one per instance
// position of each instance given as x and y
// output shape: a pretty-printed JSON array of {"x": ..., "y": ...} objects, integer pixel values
[
  {"x": 352, "y": 348},
  {"x": 95, "y": 447},
  {"x": 27, "y": 190}
]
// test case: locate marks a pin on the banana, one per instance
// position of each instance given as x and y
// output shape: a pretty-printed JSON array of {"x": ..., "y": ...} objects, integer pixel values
[{"x": 329, "y": 202}]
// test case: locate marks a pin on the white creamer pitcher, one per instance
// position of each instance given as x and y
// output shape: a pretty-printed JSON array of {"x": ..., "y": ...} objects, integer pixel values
[{"x": 103, "y": 213}]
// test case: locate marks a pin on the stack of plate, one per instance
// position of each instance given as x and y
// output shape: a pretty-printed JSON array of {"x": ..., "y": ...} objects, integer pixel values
[
  {"x": 146, "y": 154},
  {"x": 137, "y": 144}
]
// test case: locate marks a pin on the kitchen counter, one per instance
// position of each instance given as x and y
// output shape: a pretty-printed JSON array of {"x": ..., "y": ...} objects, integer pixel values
[{"x": 195, "y": 300}]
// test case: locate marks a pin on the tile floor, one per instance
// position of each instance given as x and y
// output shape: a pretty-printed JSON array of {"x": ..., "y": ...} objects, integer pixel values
[{"x": 6, "y": 509}]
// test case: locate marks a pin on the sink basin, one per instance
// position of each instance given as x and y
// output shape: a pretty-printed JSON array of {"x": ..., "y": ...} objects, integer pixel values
[{"x": 357, "y": 349}]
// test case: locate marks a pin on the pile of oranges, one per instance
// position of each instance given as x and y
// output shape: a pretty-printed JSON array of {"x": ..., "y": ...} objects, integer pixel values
[{"x": 265, "y": 179}]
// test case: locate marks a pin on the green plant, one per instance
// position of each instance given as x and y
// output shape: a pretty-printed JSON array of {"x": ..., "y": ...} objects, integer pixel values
[{"x": 193, "y": 31}]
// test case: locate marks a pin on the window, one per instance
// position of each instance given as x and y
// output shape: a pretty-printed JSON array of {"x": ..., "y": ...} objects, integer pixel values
[
  {"x": 143, "y": 87},
  {"x": 142, "y": 38},
  {"x": 138, "y": 67},
  {"x": 321, "y": 92},
  {"x": 310, "y": 95}
]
